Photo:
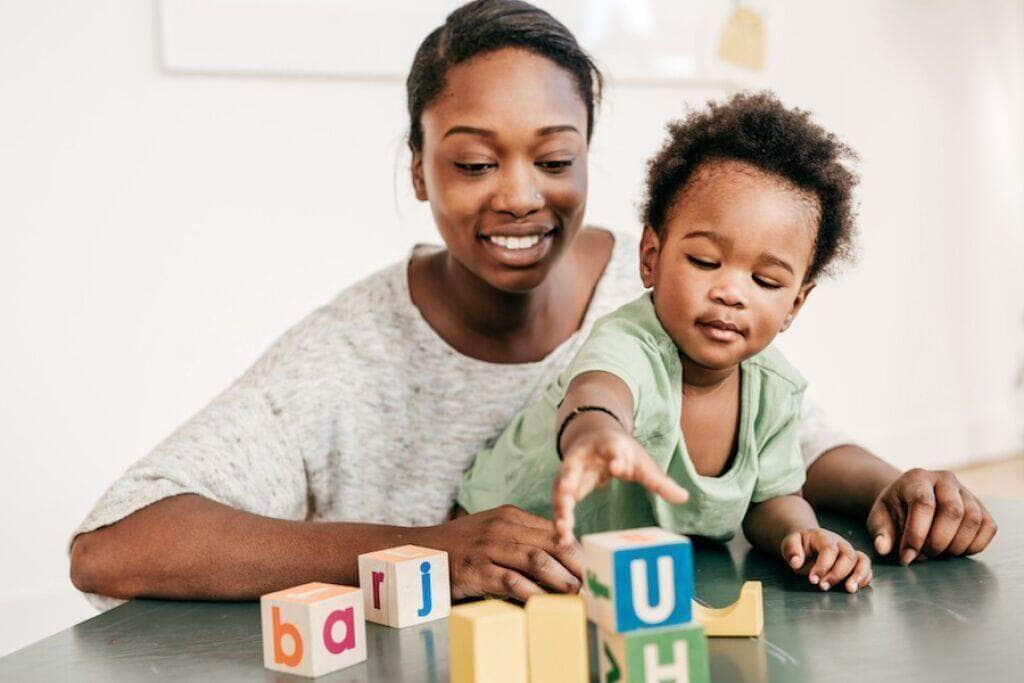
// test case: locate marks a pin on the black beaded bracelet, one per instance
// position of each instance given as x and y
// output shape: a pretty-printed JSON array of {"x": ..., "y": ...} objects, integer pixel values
[{"x": 571, "y": 416}]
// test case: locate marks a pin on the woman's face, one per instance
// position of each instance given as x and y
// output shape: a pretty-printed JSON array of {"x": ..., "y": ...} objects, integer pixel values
[{"x": 504, "y": 166}]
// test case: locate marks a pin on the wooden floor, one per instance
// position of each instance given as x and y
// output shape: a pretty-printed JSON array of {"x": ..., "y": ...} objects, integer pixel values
[{"x": 998, "y": 479}]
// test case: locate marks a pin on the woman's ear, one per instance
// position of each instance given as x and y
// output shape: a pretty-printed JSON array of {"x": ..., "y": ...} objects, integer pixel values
[
  {"x": 418, "y": 183},
  {"x": 650, "y": 246},
  {"x": 798, "y": 303}
]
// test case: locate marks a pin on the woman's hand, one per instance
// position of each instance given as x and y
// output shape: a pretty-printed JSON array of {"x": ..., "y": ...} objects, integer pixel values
[
  {"x": 834, "y": 559},
  {"x": 596, "y": 448},
  {"x": 505, "y": 552},
  {"x": 925, "y": 514}
]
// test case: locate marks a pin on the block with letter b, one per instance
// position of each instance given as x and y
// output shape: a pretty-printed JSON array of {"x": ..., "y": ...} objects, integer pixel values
[
  {"x": 678, "y": 654},
  {"x": 638, "y": 579},
  {"x": 405, "y": 585},
  {"x": 313, "y": 629}
]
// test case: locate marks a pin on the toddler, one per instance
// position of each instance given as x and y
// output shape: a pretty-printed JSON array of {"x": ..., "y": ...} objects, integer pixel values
[{"x": 678, "y": 397}]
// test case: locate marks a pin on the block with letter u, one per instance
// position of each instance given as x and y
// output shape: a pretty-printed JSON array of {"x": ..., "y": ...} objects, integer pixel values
[{"x": 638, "y": 579}]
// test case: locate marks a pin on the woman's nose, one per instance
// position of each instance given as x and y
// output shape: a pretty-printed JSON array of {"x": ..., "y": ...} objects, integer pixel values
[{"x": 517, "y": 193}]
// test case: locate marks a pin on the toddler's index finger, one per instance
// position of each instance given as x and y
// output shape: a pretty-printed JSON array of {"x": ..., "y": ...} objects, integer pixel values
[
  {"x": 564, "y": 494},
  {"x": 647, "y": 473}
]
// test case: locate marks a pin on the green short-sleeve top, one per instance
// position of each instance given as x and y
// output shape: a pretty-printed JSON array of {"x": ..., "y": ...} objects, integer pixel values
[{"x": 630, "y": 342}]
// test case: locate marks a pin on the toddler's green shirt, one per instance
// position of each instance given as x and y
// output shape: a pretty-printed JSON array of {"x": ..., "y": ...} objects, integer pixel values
[{"x": 631, "y": 344}]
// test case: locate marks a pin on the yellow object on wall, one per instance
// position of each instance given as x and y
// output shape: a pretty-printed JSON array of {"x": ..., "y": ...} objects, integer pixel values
[{"x": 742, "y": 42}]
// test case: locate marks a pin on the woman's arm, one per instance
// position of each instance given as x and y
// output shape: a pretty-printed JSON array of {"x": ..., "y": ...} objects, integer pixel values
[
  {"x": 920, "y": 513},
  {"x": 190, "y": 547}
]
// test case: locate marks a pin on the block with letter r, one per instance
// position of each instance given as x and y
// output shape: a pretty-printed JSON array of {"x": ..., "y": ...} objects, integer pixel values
[
  {"x": 638, "y": 579},
  {"x": 405, "y": 585}
]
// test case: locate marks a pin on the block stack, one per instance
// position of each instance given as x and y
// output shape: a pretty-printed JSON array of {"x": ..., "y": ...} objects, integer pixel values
[{"x": 638, "y": 590}]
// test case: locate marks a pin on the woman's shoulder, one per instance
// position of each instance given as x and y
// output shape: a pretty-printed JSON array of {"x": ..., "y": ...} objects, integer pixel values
[{"x": 368, "y": 314}]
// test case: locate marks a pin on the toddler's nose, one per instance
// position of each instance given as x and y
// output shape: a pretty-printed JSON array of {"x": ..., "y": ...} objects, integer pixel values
[{"x": 728, "y": 294}]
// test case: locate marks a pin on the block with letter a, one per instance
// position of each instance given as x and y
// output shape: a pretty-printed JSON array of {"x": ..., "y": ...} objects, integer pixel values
[
  {"x": 405, "y": 585},
  {"x": 313, "y": 629}
]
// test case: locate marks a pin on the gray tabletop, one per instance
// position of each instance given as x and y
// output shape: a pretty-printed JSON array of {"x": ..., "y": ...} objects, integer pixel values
[{"x": 941, "y": 620}]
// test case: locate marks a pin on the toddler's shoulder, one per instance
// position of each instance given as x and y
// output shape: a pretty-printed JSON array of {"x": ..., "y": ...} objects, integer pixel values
[{"x": 777, "y": 374}]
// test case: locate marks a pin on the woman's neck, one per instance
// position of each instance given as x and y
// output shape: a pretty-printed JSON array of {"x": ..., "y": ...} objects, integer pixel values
[
  {"x": 490, "y": 312},
  {"x": 492, "y": 325}
]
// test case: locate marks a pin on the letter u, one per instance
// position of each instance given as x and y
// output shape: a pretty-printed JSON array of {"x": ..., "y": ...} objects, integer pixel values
[{"x": 647, "y": 613}]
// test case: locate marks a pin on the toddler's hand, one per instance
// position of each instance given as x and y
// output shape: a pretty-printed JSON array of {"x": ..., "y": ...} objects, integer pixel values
[
  {"x": 834, "y": 559},
  {"x": 595, "y": 456}
]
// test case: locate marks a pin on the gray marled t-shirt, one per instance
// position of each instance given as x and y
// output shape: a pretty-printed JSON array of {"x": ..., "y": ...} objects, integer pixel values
[{"x": 361, "y": 412}]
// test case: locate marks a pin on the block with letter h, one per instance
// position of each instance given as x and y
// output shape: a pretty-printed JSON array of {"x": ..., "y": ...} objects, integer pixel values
[
  {"x": 313, "y": 629},
  {"x": 405, "y": 585},
  {"x": 638, "y": 587}
]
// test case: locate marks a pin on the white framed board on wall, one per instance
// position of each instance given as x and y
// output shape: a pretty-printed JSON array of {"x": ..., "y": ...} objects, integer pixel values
[{"x": 635, "y": 41}]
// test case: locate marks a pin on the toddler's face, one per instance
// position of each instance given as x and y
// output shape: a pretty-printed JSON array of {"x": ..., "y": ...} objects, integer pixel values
[{"x": 728, "y": 269}]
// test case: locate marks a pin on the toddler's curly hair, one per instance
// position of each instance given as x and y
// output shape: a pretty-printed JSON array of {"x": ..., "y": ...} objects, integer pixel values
[{"x": 758, "y": 129}]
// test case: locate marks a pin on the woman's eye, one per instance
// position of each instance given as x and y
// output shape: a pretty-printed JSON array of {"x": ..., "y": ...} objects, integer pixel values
[
  {"x": 474, "y": 168},
  {"x": 701, "y": 263},
  {"x": 767, "y": 284},
  {"x": 555, "y": 166}
]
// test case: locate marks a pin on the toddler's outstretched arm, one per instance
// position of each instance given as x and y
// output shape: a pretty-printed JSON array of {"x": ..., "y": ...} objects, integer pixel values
[
  {"x": 597, "y": 444},
  {"x": 786, "y": 526}
]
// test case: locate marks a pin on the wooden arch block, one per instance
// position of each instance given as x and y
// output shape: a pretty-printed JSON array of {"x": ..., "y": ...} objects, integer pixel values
[{"x": 745, "y": 617}]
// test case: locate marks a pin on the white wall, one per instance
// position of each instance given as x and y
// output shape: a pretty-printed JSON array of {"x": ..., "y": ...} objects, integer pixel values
[{"x": 158, "y": 232}]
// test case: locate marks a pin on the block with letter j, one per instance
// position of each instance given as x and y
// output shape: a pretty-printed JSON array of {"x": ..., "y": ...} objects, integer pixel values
[{"x": 405, "y": 585}]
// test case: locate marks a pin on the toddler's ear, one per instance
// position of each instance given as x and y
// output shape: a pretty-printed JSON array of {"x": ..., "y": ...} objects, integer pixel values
[
  {"x": 798, "y": 303},
  {"x": 418, "y": 183},
  {"x": 649, "y": 248}
]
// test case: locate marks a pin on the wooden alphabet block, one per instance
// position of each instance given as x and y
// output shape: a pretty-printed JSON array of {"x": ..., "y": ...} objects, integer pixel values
[
  {"x": 557, "y": 639},
  {"x": 405, "y": 585},
  {"x": 313, "y": 629},
  {"x": 678, "y": 654},
  {"x": 745, "y": 617},
  {"x": 638, "y": 579},
  {"x": 487, "y": 643}
]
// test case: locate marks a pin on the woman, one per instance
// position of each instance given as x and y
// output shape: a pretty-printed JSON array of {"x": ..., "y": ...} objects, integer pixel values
[{"x": 351, "y": 433}]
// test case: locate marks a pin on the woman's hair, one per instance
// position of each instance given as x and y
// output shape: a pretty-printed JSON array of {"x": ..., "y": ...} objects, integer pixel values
[
  {"x": 758, "y": 129},
  {"x": 487, "y": 25}
]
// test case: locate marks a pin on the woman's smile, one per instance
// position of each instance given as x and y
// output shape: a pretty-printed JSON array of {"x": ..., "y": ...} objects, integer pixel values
[{"x": 519, "y": 245}]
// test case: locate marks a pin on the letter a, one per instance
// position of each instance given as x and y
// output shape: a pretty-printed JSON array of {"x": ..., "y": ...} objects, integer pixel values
[
  {"x": 336, "y": 647},
  {"x": 666, "y": 595},
  {"x": 425, "y": 584},
  {"x": 281, "y": 629}
]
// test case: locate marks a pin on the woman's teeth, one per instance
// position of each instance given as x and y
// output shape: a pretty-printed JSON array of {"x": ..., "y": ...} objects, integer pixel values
[{"x": 524, "y": 242}]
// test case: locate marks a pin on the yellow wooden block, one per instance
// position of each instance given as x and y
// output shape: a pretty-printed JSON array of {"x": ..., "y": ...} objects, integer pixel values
[
  {"x": 745, "y": 617},
  {"x": 487, "y": 643},
  {"x": 556, "y": 628}
]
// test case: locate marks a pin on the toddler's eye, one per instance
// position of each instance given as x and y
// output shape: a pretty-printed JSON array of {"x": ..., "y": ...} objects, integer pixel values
[
  {"x": 701, "y": 263},
  {"x": 475, "y": 168},
  {"x": 767, "y": 284},
  {"x": 558, "y": 166}
]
